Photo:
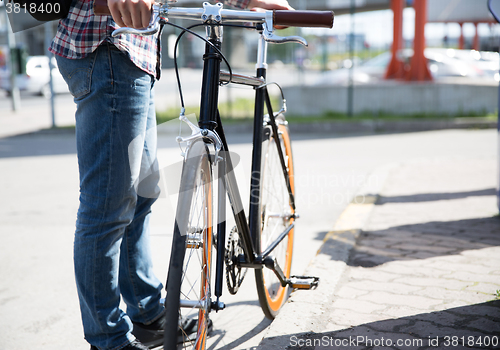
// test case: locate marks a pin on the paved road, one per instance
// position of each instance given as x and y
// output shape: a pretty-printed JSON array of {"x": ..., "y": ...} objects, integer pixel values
[
  {"x": 40, "y": 190},
  {"x": 417, "y": 269}
]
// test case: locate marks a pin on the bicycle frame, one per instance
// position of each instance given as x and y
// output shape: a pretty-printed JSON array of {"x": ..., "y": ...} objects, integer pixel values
[{"x": 210, "y": 120}]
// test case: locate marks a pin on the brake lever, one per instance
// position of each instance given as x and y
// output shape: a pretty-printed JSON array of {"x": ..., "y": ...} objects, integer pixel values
[
  {"x": 269, "y": 36},
  {"x": 152, "y": 28},
  {"x": 275, "y": 39}
]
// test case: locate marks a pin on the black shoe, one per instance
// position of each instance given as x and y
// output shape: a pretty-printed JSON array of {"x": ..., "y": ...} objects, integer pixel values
[
  {"x": 135, "y": 345},
  {"x": 152, "y": 334},
  {"x": 189, "y": 331}
]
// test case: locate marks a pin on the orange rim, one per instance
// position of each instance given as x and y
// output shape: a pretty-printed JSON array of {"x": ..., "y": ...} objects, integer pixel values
[
  {"x": 207, "y": 263},
  {"x": 276, "y": 302}
]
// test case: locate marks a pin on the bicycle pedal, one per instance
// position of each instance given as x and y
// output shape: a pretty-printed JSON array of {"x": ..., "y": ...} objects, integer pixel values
[{"x": 303, "y": 282}]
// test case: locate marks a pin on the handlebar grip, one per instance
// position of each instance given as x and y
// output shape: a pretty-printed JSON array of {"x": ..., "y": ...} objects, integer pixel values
[
  {"x": 101, "y": 8},
  {"x": 303, "y": 18}
]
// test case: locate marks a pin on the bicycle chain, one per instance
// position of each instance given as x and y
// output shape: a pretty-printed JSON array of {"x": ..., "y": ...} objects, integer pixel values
[{"x": 234, "y": 272}]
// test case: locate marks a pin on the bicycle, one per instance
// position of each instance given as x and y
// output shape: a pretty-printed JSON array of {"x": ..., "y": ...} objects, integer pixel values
[{"x": 269, "y": 227}]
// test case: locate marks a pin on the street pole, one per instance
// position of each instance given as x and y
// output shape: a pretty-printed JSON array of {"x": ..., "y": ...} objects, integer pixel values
[
  {"x": 350, "y": 88},
  {"x": 301, "y": 80},
  {"x": 498, "y": 141},
  {"x": 494, "y": 7},
  {"x": 48, "y": 39},
  {"x": 11, "y": 43}
]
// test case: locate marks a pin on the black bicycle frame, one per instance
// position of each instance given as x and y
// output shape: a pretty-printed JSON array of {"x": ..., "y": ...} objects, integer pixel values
[{"x": 210, "y": 119}]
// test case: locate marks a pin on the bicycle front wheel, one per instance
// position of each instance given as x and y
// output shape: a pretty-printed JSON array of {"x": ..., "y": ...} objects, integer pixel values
[
  {"x": 188, "y": 283},
  {"x": 276, "y": 215}
]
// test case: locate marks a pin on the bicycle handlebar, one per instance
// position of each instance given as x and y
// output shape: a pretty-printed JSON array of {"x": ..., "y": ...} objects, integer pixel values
[{"x": 279, "y": 17}]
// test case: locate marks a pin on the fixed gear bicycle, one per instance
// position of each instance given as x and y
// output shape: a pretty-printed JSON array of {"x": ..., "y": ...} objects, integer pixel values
[{"x": 263, "y": 240}]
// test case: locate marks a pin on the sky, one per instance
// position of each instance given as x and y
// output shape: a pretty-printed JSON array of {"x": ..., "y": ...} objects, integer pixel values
[{"x": 377, "y": 27}]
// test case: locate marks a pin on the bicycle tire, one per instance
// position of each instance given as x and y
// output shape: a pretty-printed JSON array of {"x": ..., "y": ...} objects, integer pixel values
[
  {"x": 190, "y": 266},
  {"x": 274, "y": 201}
]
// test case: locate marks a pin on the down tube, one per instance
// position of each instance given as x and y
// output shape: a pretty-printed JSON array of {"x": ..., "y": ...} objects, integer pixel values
[{"x": 233, "y": 193}]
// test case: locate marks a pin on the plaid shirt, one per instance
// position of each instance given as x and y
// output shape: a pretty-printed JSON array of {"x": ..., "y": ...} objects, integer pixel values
[
  {"x": 242, "y": 4},
  {"x": 81, "y": 32}
]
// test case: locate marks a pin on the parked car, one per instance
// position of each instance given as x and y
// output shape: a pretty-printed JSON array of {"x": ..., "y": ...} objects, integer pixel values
[
  {"x": 486, "y": 63},
  {"x": 37, "y": 78},
  {"x": 441, "y": 62}
]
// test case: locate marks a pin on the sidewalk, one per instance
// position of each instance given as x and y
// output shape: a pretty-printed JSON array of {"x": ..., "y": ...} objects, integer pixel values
[
  {"x": 32, "y": 118},
  {"x": 419, "y": 268}
]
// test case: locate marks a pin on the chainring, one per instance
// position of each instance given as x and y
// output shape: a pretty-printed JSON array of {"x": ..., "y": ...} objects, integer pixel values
[{"x": 234, "y": 272}]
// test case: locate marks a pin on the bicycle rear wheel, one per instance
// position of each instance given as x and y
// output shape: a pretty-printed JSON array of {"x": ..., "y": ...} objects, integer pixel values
[
  {"x": 188, "y": 283},
  {"x": 276, "y": 215}
]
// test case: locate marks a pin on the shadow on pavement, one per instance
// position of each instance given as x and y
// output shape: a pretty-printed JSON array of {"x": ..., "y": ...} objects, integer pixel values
[
  {"x": 430, "y": 197},
  {"x": 320, "y": 235},
  {"x": 219, "y": 335},
  {"x": 61, "y": 141},
  {"x": 426, "y": 240},
  {"x": 472, "y": 326},
  {"x": 41, "y": 143}
]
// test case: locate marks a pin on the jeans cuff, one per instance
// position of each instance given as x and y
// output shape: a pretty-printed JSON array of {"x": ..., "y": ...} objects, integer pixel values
[{"x": 156, "y": 318}]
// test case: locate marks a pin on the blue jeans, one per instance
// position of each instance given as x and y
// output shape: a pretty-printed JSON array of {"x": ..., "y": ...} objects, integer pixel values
[{"x": 115, "y": 109}]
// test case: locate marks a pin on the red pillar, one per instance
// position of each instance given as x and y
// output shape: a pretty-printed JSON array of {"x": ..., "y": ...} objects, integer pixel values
[
  {"x": 395, "y": 69},
  {"x": 461, "y": 40},
  {"x": 475, "y": 44},
  {"x": 418, "y": 69}
]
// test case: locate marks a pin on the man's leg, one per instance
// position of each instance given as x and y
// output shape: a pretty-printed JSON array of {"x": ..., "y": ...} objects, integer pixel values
[
  {"x": 112, "y": 97},
  {"x": 135, "y": 258}
]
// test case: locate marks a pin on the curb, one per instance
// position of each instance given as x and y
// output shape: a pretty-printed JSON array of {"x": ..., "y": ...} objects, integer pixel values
[
  {"x": 391, "y": 126},
  {"x": 304, "y": 312}
]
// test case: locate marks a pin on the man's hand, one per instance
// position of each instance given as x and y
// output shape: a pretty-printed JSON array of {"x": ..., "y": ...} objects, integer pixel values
[
  {"x": 131, "y": 13},
  {"x": 270, "y": 4},
  {"x": 262, "y": 5}
]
